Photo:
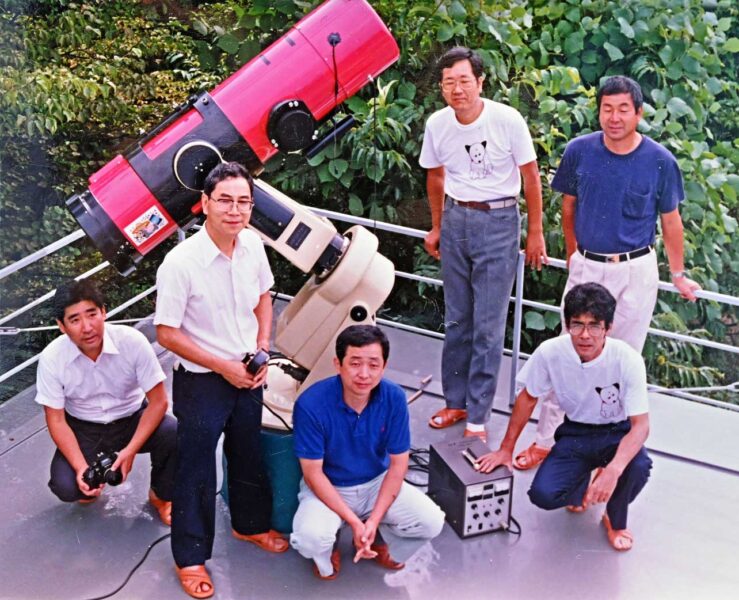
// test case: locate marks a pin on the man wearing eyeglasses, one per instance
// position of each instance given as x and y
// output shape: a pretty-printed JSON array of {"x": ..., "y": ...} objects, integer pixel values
[
  {"x": 214, "y": 307},
  {"x": 476, "y": 153},
  {"x": 601, "y": 385}
]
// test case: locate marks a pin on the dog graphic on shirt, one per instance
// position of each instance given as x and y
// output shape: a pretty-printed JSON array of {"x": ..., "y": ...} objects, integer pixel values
[
  {"x": 480, "y": 166},
  {"x": 610, "y": 403}
]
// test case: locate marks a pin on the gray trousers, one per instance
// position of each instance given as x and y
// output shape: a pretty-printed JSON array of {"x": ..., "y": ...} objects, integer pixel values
[
  {"x": 411, "y": 521},
  {"x": 479, "y": 251}
]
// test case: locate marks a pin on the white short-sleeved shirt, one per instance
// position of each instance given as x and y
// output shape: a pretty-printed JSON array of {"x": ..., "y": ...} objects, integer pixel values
[
  {"x": 481, "y": 159},
  {"x": 607, "y": 389},
  {"x": 100, "y": 391},
  {"x": 211, "y": 297}
]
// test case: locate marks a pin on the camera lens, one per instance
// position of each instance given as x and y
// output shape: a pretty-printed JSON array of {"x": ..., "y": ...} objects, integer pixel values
[{"x": 113, "y": 477}]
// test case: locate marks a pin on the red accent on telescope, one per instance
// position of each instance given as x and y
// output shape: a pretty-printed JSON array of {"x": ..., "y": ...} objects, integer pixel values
[{"x": 274, "y": 102}]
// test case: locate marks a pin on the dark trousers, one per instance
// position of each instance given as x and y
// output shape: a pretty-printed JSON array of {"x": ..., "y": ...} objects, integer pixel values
[
  {"x": 112, "y": 437},
  {"x": 564, "y": 476},
  {"x": 206, "y": 405}
]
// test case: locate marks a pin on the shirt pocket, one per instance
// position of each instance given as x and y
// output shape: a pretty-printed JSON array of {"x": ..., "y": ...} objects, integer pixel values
[{"x": 637, "y": 205}]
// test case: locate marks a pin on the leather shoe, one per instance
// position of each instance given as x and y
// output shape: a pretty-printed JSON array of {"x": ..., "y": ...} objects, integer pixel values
[
  {"x": 384, "y": 559},
  {"x": 272, "y": 541},
  {"x": 335, "y": 563}
]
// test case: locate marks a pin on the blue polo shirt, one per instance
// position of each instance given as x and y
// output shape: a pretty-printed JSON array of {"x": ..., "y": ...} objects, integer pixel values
[
  {"x": 619, "y": 196},
  {"x": 355, "y": 448}
]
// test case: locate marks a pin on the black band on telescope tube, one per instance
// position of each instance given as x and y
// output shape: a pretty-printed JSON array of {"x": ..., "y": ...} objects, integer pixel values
[
  {"x": 96, "y": 223},
  {"x": 215, "y": 130}
]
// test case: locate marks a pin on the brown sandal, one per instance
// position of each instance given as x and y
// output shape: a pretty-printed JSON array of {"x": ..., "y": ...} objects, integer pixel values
[
  {"x": 620, "y": 539},
  {"x": 335, "y": 563},
  {"x": 530, "y": 458},
  {"x": 164, "y": 508},
  {"x": 192, "y": 580},
  {"x": 272, "y": 541},
  {"x": 447, "y": 417}
]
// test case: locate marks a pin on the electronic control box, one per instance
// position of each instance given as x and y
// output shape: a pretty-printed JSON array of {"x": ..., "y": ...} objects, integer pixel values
[{"x": 474, "y": 502}]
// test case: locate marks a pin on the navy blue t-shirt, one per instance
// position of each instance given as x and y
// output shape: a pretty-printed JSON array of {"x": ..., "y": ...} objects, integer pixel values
[
  {"x": 619, "y": 196},
  {"x": 355, "y": 448}
]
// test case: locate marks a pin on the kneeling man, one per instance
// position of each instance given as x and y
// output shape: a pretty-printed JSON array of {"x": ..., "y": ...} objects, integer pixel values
[
  {"x": 92, "y": 382},
  {"x": 601, "y": 385},
  {"x": 352, "y": 438}
]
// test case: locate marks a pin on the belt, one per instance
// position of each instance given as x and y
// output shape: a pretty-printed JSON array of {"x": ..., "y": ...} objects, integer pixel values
[
  {"x": 489, "y": 205},
  {"x": 614, "y": 258}
]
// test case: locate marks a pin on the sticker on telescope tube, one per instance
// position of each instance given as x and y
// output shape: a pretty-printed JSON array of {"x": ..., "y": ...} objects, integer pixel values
[{"x": 146, "y": 225}]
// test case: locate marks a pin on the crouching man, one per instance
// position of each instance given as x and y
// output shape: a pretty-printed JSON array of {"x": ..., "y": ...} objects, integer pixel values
[
  {"x": 352, "y": 438},
  {"x": 600, "y": 383},
  {"x": 92, "y": 382}
]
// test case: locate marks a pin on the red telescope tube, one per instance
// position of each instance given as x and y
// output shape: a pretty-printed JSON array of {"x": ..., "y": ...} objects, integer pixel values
[{"x": 273, "y": 103}]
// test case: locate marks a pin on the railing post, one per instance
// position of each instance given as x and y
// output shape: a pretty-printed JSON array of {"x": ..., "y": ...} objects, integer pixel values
[{"x": 517, "y": 314}]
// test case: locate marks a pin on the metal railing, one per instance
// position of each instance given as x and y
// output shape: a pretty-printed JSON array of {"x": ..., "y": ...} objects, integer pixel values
[{"x": 518, "y": 300}]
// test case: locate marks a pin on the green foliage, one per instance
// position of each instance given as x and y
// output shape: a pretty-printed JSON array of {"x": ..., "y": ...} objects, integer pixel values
[{"x": 81, "y": 80}]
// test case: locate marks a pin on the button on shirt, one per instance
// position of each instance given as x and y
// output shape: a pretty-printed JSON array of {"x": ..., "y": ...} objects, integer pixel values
[
  {"x": 211, "y": 297},
  {"x": 104, "y": 390},
  {"x": 355, "y": 447}
]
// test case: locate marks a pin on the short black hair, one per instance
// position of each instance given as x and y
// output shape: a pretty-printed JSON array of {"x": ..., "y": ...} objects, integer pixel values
[
  {"x": 619, "y": 84},
  {"x": 359, "y": 336},
  {"x": 72, "y": 292},
  {"x": 223, "y": 171},
  {"x": 454, "y": 55},
  {"x": 590, "y": 298}
]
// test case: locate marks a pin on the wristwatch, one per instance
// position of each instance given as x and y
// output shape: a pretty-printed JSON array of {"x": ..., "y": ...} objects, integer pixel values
[{"x": 678, "y": 275}]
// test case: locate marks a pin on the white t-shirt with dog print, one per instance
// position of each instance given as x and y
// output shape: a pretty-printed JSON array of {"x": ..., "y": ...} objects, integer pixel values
[
  {"x": 607, "y": 389},
  {"x": 481, "y": 159}
]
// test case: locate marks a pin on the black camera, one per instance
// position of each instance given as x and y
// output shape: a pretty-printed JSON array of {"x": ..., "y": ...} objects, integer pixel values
[
  {"x": 255, "y": 362},
  {"x": 100, "y": 471}
]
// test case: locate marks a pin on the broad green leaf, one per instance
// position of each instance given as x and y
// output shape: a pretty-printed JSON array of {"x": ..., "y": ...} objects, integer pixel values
[
  {"x": 229, "y": 43},
  {"x": 574, "y": 43},
  {"x": 679, "y": 108},
  {"x": 547, "y": 105},
  {"x": 731, "y": 45},
  {"x": 324, "y": 176},
  {"x": 338, "y": 167},
  {"x": 200, "y": 27},
  {"x": 206, "y": 58},
  {"x": 445, "y": 33},
  {"x": 248, "y": 50},
  {"x": 407, "y": 90},
  {"x": 626, "y": 28},
  {"x": 457, "y": 11},
  {"x": 614, "y": 53},
  {"x": 375, "y": 172},
  {"x": 534, "y": 320},
  {"x": 355, "y": 205},
  {"x": 357, "y": 105}
]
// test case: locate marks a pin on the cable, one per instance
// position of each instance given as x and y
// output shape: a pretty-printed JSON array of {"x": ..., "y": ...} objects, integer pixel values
[
  {"x": 269, "y": 408},
  {"x": 518, "y": 530},
  {"x": 132, "y": 571},
  {"x": 418, "y": 461}
]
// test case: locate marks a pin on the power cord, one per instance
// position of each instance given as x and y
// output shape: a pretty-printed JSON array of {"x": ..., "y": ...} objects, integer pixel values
[
  {"x": 132, "y": 571},
  {"x": 418, "y": 460}
]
